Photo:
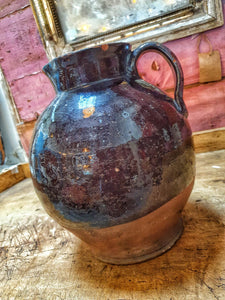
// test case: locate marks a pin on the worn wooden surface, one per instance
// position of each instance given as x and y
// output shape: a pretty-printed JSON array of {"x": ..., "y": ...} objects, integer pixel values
[
  {"x": 22, "y": 57},
  {"x": 11, "y": 6},
  {"x": 209, "y": 140},
  {"x": 12, "y": 175},
  {"x": 32, "y": 94},
  {"x": 206, "y": 106},
  {"x": 25, "y": 132},
  {"x": 21, "y": 51},
  {"x": 41, "y": 260}
]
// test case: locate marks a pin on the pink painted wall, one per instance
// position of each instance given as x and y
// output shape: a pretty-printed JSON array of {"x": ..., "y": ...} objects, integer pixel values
[
  {"x": 205, "y": 102},
  {"x": 22, "y": 57},
  {"x": 8, "y": 7},
  {"x": 206, "y": 105},
  {"x": 187, "y": 53}
]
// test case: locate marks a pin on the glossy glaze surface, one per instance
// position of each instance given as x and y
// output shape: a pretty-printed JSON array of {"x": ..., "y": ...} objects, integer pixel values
[{"x": 106, "y": 152}]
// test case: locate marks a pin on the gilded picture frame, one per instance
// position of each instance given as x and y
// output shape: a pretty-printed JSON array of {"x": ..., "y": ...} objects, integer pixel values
[{"x": 197, "y": 16}]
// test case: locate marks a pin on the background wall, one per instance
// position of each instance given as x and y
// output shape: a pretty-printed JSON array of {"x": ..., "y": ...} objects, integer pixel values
[{"x": 22, "y": 57}]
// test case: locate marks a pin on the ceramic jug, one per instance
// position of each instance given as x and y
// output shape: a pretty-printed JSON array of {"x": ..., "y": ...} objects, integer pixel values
[{"x": 112, "y": 158}]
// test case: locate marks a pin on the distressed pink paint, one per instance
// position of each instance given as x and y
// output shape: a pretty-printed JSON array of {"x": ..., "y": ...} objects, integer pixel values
[
  {"x": 206, "y": 105},
  {"x": 11, "y": 6},
  {"x": 22, "y": 57},
  {"x": 187, "y": 53},
  {"x": 206, "y": 102},
  {"x": 21, "y": 51},
  {"x": 32, "y": 94}
]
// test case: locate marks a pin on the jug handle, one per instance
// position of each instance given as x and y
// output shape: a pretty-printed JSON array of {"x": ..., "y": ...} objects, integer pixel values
[{"x": 132, "y": 75}]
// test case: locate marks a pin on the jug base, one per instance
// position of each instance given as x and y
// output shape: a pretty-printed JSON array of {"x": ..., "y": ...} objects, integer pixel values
[
  {"x": 160, "y": 247},
  {"x": 140, "y": 239}
]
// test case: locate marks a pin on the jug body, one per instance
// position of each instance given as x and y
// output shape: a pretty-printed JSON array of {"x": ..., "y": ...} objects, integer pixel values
[{"x": 112, "y": 160}]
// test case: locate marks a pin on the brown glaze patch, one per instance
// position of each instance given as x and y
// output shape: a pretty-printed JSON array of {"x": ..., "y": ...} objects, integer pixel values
[
  {"x": 105, "y": 47},
  {"x": 87, "y": 112}
]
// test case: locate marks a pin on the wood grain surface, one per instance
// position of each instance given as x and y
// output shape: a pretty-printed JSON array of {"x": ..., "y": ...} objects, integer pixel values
[
  {"x": 206, "y": 106},
  {"x": 209, "y": 140},
  {"x": 22, "y": 57},
  {"x": 41, "y": 260},
  {"x": 11, "y": 175},
  {"x": 11, "y": 6}
]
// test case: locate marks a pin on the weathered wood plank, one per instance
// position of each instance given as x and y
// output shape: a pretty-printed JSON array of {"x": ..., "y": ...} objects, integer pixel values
[
  {"x": 25, "y": 132},
  {"x": 13, "y": 175},
  {"x": 21, "y": 51},
  {"x": 206, "y": 106},
  {"x": 41, "y": 260},
  {"x": 10, "y": 6},
  {"x": 209, "y": 140},
  {"x": 32, "y": 94}
]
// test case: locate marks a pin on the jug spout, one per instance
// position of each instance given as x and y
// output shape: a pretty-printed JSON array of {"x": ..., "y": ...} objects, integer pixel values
[
  {"x": 101, "y": 64},
  {"x": 47, "y": 70},
  {"x": 50, "y": 71}
]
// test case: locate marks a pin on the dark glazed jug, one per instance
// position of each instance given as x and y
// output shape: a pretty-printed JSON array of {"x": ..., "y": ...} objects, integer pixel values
[{"x": 112, "y": 158}]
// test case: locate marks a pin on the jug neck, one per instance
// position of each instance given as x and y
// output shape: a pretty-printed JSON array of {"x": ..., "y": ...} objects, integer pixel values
[{"x": 89, "y": 67}]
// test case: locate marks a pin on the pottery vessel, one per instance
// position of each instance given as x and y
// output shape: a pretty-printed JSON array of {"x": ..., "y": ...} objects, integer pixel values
[{"x": 112, "y": 158}]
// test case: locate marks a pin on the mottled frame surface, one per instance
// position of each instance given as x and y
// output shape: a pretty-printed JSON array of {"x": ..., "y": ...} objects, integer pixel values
[{"x": 197, "y": 17}]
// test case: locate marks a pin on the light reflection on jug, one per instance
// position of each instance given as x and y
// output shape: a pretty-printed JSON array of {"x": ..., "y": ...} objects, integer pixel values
[{"x": 112, "y": 157}]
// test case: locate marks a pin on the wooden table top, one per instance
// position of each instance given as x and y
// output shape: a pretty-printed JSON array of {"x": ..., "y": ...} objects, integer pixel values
[{"x": 41, "y": 260}]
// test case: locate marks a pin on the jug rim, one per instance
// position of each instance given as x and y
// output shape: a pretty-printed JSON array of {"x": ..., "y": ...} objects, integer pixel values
[
  {"x": 89, "y": 65},
  {"x": 104, "y": 47}
]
